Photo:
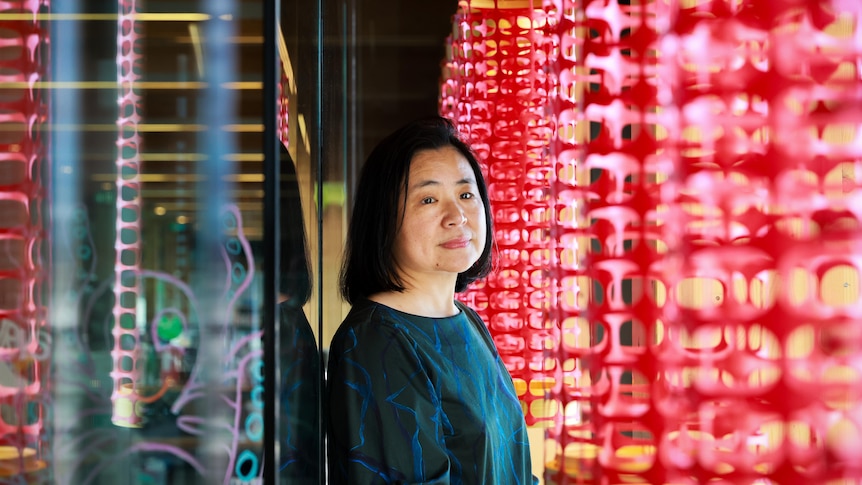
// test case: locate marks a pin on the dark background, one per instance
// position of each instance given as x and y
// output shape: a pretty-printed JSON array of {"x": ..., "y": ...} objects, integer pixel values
[{"x": 382, "y": 64}]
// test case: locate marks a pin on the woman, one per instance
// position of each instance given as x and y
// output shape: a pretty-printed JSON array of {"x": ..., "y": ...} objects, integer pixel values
[{"x": 417, "y": 392}]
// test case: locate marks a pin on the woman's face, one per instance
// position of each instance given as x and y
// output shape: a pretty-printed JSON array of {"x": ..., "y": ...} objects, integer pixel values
[{"x": 444, "y": 227}]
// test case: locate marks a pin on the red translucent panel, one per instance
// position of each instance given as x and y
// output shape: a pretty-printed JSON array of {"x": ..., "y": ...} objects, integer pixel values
[{"x": 685, "y": 243}]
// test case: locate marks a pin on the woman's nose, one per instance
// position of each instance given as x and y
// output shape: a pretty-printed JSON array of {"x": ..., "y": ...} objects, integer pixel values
[{"x": 456, "y": 216}]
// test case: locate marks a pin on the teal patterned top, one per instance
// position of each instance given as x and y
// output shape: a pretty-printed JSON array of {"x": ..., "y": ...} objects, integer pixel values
[{"x": 417, "y": 400}]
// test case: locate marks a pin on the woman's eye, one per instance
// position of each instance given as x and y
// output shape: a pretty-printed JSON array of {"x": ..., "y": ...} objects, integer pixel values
[
  {"x": 467, "y": 195},
  {"x": 428, "y": 200}
]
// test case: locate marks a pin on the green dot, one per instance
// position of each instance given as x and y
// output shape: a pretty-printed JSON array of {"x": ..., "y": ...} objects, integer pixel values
[{"x": 169, "y": 327}]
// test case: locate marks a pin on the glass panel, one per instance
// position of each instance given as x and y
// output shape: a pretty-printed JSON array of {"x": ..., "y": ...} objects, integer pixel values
[
  {"x": 299, "y": 50},
  {"x": 159, "y": 271}
]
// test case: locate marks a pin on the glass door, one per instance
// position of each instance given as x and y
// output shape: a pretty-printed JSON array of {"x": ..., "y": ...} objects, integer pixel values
[{"x": 159, "y": 189}]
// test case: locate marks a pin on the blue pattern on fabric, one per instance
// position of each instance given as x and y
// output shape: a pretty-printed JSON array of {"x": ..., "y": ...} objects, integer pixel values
[{"x": 422, "y": 400}]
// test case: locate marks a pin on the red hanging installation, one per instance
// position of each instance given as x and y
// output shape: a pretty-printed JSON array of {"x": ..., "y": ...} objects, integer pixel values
[
  {"x": 25, "y": 335},
  {"x": 496, "y": 92},
  {"x": 758, "y": 356},
  {"x": 699, "y": 301},
  {"x": 608, "y": 439},
  {"x": 285, "y": 90}
]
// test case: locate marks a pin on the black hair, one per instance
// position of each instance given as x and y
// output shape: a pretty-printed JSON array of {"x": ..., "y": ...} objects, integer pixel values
[{"x": 368, "y": 266}]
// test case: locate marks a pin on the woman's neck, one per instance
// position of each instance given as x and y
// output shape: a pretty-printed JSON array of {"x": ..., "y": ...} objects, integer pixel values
[{"x": 416, "y": 302}]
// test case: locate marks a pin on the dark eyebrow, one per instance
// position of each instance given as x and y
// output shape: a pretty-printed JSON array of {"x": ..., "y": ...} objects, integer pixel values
[{"x": 426, "y": 183}]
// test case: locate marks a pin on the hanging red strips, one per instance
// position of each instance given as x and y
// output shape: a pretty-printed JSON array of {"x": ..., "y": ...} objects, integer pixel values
[
  {"x": 757, "y": 355},
  {"x": 24, "y": 332},
  {"x": 701, "y": 288},
  {"x": 496, "y": 91},
  {"x": 605, "y": 434}
]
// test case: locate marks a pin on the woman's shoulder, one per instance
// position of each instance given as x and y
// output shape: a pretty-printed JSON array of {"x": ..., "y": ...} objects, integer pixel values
[
  {"x": 364, "y": 312},
  {"x": 365, "y": 317},
  {"x": 479, "y": 324},
  {"x": 472, "y": 315},
  {"x": 370, "y": 332}
]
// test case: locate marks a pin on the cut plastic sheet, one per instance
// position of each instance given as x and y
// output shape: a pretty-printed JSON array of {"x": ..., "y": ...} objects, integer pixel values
[
  {"x": 496, "y": 89},
  {"x": 677, "y": 291}
]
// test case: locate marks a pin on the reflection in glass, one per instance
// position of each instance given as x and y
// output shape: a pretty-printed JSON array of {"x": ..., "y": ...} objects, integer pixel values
[
  {"x": 300, "y": 365},
  {"x": 157, "y": 279}
]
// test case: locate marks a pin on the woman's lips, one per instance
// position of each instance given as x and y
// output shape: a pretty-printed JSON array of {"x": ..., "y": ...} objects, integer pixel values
[{"x": 459, "y": 242}]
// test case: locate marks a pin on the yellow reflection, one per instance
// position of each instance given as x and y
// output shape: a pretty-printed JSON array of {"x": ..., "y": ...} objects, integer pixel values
[
  {"x": 197, "y": 46},
  {"x": 160, "y": 177},
  {"x": 172, "y": 157},
  {"x": 286, "y": 64},
  {"x": 303, "y": 132},
  {"x": 243, "y": 85},
  {"x": 244, "y": 128},
  {"x": 245, "y": 157}
]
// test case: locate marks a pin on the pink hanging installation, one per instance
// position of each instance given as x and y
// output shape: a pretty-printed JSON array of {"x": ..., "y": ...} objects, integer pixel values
[
  {"x": 25, "y": 336},
  {"x": 282, "y": 115},
  {"x": 126, "y": 372},
  {"x": 759, "y": 367},
  {"x": 699, "y": 301},
  {"x": 496, "y": 90},
  {"x": 608, "y": 65}
]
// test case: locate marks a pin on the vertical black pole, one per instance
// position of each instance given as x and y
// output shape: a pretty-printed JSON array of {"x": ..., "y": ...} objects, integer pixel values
[{"x": 271, "y": 236}]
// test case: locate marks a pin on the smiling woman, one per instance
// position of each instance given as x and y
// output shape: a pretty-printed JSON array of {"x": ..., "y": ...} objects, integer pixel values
[
  {"x": 417, "y": 392},
  {"x": 443, "y": 226}
]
